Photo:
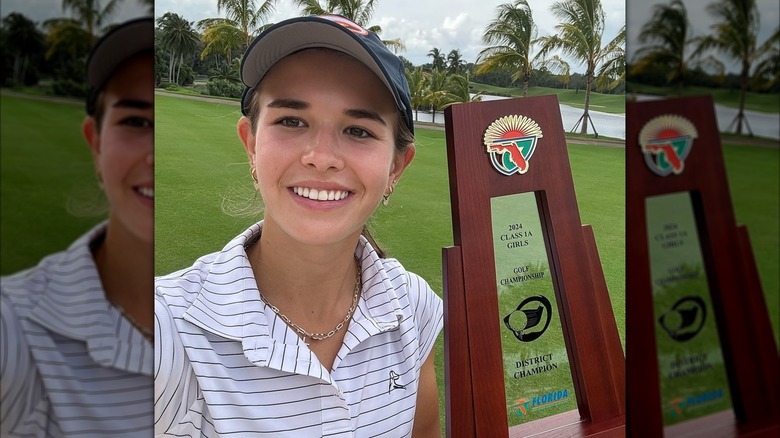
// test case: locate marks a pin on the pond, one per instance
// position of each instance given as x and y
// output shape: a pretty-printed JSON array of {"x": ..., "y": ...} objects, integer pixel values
[
  {"x": 614, "y": 125},
  {"x": 609, "y": 125}
]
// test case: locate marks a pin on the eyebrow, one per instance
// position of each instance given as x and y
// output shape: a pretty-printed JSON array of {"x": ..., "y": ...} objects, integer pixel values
[
  {"x": 289, "y": 103},
  {"x": 365, "y": 114},
  {"x": 301, "y": 105},
  {"x": 132, "y": 103}
]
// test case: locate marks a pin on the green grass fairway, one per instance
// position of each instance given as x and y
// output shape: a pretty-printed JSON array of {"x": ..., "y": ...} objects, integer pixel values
[
  {"x": 200, "y": 162},
  {"x": 763, "y": 102},
  {"x": 754, "y": 179},
  {"x": 44, "y": 161},
  {"x": 606, "y": 103}
]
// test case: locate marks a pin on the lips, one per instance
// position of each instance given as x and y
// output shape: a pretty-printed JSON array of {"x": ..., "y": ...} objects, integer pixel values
[{"x": 320, "y": 195}]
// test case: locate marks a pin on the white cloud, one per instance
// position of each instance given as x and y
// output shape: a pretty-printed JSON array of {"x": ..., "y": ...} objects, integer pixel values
[{"x": 42, "y": 10}]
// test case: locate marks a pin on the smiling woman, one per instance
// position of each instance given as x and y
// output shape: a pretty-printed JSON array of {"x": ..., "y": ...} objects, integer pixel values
[{"x": 302, "y": 307}]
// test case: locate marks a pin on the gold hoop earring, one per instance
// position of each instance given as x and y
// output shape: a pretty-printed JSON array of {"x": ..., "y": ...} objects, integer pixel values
[
  {"x": 253, "y": 172},
  {"x": 386, "y": 196}
]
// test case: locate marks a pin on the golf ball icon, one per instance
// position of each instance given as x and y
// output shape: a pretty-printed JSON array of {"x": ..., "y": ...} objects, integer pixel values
[
  {"x": 685, "y": 319},
  {"x": 530, "y": 319}
]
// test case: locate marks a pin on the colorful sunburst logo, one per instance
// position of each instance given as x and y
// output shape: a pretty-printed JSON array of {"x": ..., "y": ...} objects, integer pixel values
[
  {"x": 510, "y": 141},
  {"x": 666, "y": 141}
]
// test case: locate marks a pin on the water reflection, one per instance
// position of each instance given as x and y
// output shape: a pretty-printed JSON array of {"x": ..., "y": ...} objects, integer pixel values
[
  {"x": 762, "y": 124},
  {"x": 607, "y": 125},
  {"x": 614, "y": 125}
]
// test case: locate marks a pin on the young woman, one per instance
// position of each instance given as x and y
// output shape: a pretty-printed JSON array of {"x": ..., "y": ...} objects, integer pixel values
[
  {"x": 76, "y": 343},
  {"x": 299, "y": 327}
]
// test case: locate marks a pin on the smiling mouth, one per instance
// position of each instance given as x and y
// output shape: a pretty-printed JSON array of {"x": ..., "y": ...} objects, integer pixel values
[
  {"x": 146, "y": 192},
  {"x": 320, "y": 195}
]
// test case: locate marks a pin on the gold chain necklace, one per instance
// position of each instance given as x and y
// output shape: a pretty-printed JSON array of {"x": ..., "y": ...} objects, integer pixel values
[
  {"x": 322, "y": 336},
  {"x": 147, "y": 332}
]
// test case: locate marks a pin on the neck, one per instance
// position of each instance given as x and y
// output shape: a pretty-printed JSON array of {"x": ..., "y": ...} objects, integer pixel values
[
  {"x": 125, "y": 264},
  {"x": 312, "y": 283}
]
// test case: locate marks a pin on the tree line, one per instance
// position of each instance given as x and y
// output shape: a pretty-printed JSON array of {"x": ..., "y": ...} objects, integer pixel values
[
  {"x": 515, "y": 55},
  {"x": 57, "y": 49},
  {"x": 672, "y": 55}
]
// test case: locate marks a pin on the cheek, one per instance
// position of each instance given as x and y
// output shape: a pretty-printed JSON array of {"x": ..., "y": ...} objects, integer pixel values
[
  {"x": 121, "y": 151},
  {"x": 270, "y": 159}
]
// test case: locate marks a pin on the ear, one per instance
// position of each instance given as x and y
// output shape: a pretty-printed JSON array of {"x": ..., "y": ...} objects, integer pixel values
[
  {"x": 401, "y": 162},
  {"x": 91, "y": 134},
  {"x": 247, "y": 136}
]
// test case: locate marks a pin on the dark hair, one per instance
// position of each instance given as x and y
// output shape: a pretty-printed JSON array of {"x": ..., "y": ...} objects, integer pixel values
[
  {"x": 95, "y": 101},
  {"x": 403, "y": 138}
]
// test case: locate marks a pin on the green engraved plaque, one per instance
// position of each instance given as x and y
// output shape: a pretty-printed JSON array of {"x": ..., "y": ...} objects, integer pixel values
[
  {"x": 537, "y": 375},
  {"x": 692, "y": 374}
]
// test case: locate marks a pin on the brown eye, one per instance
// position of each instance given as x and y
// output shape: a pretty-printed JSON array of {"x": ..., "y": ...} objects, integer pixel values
[
  {"x": 136, "y": 122},
  {"x": 291, "y": 122},
  {"x": 358, "y": 132}
]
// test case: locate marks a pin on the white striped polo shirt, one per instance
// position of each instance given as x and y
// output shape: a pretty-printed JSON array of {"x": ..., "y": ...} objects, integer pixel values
[
  {"x": 227, "y": 366},
  {"x": 70, "y": 364}
]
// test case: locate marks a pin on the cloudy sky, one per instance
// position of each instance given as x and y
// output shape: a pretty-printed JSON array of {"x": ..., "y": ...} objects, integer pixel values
[
  {"x": 41, "y": 10},
  {"x": 425, "y": 24},
  {"x": 421, "y": 24}
]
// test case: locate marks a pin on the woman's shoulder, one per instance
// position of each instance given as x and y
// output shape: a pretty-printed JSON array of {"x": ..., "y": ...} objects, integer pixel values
[
  {"x": 24, "y": 288},
  {"x": 222, "y": 262},
  {"x": 185, "y": 283}
]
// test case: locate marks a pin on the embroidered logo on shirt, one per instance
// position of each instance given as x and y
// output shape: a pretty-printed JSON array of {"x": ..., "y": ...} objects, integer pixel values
[{"x": 394, "y": 382}]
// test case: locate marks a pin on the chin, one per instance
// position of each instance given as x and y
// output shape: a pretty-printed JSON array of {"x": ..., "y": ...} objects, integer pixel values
[{"x": 321, "y": 233}]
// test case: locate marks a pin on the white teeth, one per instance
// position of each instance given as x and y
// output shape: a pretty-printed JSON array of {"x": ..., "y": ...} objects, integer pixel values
[
  {"x": 146, "y": 192},
  {"x": 320, "y": 195}
]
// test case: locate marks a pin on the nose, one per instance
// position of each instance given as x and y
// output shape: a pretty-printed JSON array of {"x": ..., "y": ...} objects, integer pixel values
[{"x": 323, "y": 151}]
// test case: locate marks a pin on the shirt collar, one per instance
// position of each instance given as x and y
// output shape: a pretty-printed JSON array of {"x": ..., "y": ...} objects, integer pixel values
[
  {"x": 74, "y": 304},
  {"x": 229, "y": 303}
]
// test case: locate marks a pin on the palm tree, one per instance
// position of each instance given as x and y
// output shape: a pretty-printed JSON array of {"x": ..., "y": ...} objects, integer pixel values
[
  {"x": 439, "y": 62},
  {"x": 613, "y": 65},
  {"x": 669, "y": 29},
  {"x": 227, "y": 72},
  {"x": 579, "y": 36},
  {"x": 767, "y": 71},
  {"x": 69, "y": 45},
  {"x": 437, "y": 92},
  {"x": 358, "y": 11},
  {"x": 221, "y": 37},
  {"x": 418, "y": 84},
  {"x": 90, "y": 14},
  {"x": 247, "y": 16},
  {"x": 735, "y": 35},
  {"x": 455, "y": 62},
  {"x": 459, "y": 91},
  {"x": 510, "y": 35},
  {"x": 179, "y": 38},
  {"x": 23, "y": 41}
]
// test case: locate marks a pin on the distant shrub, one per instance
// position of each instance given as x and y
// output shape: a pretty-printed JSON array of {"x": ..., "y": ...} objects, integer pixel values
[
  {"x": 201, "y": 88},
  {"x": 67, "y": 87},
  {"x": 224, "y": 88}
]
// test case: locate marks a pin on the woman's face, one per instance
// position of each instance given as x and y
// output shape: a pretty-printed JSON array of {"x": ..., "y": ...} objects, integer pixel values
[
  {"x": 123, "y": 147},
  {"x": 324, "y": 145}
]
